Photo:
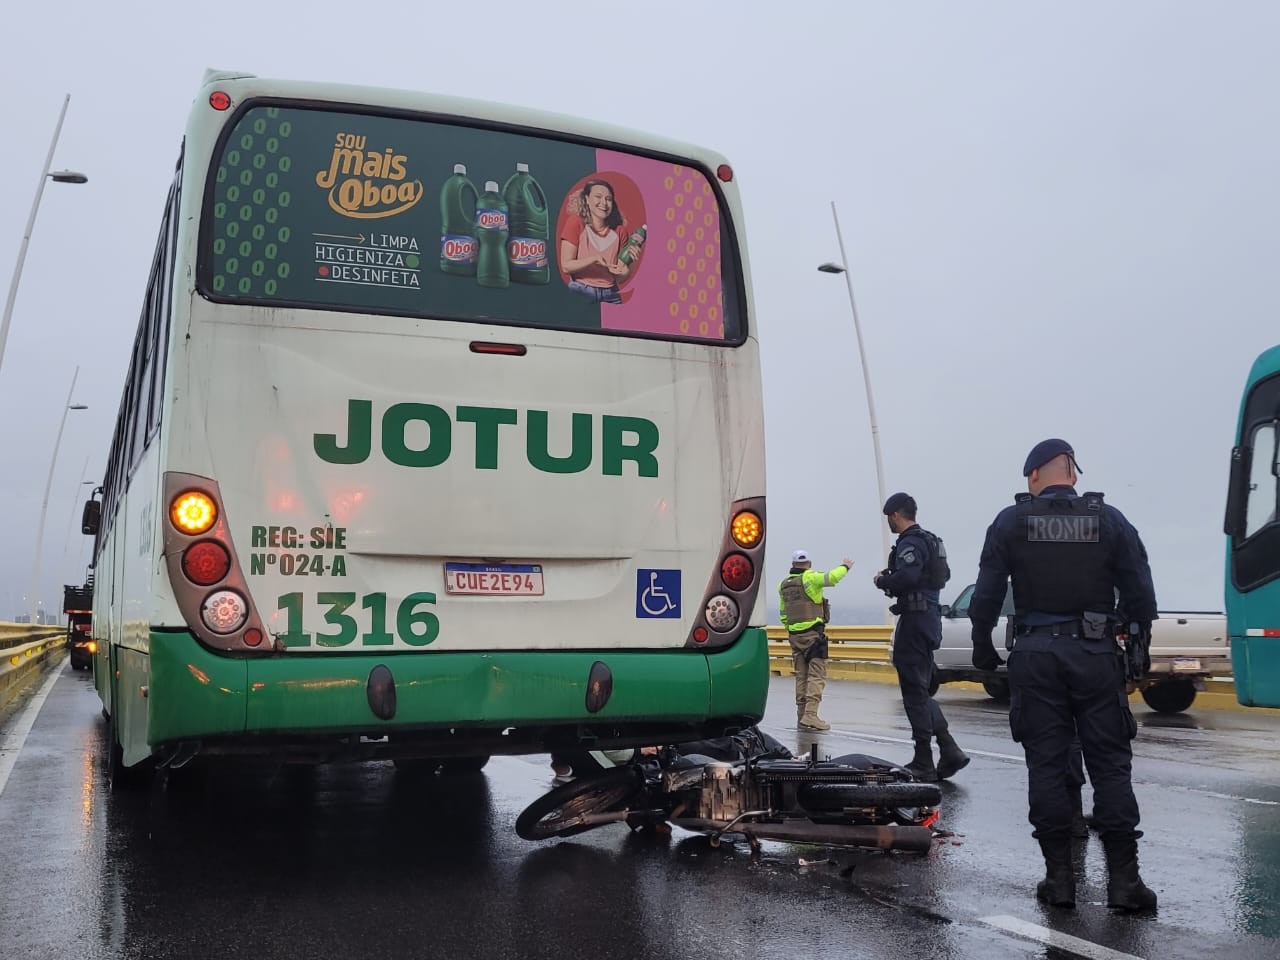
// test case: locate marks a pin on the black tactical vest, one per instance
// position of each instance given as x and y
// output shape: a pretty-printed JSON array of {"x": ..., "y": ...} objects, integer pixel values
[
  {"x": 936, "y": 570},
  {"x": 1059, "y": 556}
]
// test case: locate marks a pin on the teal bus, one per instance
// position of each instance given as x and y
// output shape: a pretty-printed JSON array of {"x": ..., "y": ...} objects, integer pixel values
[
  {"x": 1253, "y": 538},
  {"x": 442, "y": 436}
]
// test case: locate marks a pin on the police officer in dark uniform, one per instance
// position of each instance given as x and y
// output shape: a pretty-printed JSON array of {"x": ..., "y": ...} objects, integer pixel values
[
  {"x": 917, "y": 571},
  {"x": 1068, "y": 555}
]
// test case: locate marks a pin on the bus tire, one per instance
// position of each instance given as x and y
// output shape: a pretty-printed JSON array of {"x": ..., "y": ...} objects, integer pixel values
[
  {"x": 555, "y": 814},
  {"x": 121, "y": 778},
  {"x": 462, "y": 766},
  {"x": 829, "y": 797},
  {"x": 1171, "y": 696}
]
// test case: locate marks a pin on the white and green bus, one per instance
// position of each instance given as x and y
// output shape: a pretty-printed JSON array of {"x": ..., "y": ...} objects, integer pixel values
[{"x": 442, "y": 437}]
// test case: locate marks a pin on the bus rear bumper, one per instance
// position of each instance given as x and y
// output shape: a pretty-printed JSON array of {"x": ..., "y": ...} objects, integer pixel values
[
  {"x": 448, "y": 703},
  {"x": 1255, "y": 668}
]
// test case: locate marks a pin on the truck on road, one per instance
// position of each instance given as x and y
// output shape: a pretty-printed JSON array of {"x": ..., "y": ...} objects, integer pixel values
[
  {"x": 1187, "y": 647},
  {"x": 77, "y": 604}
]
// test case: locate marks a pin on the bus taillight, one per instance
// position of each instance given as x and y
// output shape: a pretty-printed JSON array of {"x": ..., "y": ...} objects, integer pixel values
[
  {"x": 224, "y": 611},
  {"x": 219, "y": 100},
  {"x": 737, "y": 572},
  {"x": 747, "y": 529},
  {"x": 209, "y": 584},
  {"x": 193, "y": 512},
  {"x": 206, "y": 562},
  {"x": 731, "y": 593},
  {"x": 722, "y": 613}
]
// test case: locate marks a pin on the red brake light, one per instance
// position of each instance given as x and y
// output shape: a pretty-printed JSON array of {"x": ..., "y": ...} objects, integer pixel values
[
  {"x": 252, "y": 637},
  {"x": 219, "y": 100},
  {"x": 737, "y": 572},
  {"x": 206, "y": 562},
  {"x": 699, "y": 634},
  {"x": 502, "y": 349},
  {"x": 724, "y": 172}
]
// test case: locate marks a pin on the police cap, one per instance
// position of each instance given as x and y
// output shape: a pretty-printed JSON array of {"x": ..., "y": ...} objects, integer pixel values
[
  {"x": 1046, "y": 450},
  {"x": 897, "y": 502}
]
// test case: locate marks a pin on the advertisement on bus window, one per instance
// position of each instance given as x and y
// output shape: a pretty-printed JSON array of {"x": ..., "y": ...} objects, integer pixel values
[{"x": 408, "y": 217}]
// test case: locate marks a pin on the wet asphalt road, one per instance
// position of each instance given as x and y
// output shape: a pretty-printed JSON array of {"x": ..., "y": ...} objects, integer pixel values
[{"x": 358, "y": 861}]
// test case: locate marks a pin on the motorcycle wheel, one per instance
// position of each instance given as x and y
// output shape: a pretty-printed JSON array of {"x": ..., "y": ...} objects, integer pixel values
[
  {"x": 838, "y": 796},
  {"x": 559, "y": 812}
]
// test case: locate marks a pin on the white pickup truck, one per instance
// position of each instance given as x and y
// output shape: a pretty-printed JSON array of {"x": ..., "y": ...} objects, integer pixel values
[{"x": 1186, "y": 649}]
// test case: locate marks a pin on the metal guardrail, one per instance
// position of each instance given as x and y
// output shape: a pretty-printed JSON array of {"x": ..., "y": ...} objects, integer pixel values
[
  {"x": 24, "y": 648},
  {"x": 861, "y": 652},
  {"x": 16, "y": 634},
  {"x": 854, "y": 633}
]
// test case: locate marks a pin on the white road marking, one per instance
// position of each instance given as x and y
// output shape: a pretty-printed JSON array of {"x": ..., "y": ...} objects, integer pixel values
[
  {"x": 1056, "y": 940},
  {"x": 18, "y": 735},
  {"x": 876, "y": 738}
]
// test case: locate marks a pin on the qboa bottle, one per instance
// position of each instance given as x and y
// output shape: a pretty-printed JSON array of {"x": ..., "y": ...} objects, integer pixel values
[
  {"x": 459, "y": 249},
  {"x": 492, "y": 230},
  {"x": 527, "y": 246}
]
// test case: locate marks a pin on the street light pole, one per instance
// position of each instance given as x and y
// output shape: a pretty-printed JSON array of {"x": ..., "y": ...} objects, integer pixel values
[
  {"x": 843, "y": 267},
  {"x": 75, "y": 504},
  {"x": 48, "y": 485},
  {"x": 62, "y": 176}
]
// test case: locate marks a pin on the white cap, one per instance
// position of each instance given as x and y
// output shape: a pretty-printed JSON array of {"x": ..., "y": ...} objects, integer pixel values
[
  {"x": 459, "y": 168},
  {"x": 491, "y": 186},
  {"x": 522, "y": 168},
  {"x": 800, "y": 556}
]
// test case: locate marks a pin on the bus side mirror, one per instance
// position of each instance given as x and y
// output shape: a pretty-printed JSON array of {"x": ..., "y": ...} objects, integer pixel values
[
  {"x": 90, "y": 518},
  {"x": 1238, "y": 492}
]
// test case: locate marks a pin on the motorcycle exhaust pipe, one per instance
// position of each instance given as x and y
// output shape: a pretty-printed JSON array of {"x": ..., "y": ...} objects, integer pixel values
[{"x": 913, "y": 839}]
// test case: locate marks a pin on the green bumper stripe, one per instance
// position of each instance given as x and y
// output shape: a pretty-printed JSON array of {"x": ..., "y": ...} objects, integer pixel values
[{"x": 197, "y": 693}]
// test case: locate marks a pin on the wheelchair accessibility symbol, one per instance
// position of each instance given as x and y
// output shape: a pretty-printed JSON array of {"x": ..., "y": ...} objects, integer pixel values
[{"x": 658, "y": 594}]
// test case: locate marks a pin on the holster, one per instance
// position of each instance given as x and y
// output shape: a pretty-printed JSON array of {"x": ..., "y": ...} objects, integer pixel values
[
  {"x": 1010, "y": 633},
  {"x": 1096, "y": 626}
]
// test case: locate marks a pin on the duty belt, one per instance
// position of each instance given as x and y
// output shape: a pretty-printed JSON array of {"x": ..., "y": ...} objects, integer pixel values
[
  {"x": 1090, "y": 625},
  {"x": 1066, "y": 628}
]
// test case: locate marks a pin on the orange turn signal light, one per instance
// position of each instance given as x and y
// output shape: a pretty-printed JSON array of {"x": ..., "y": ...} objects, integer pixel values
[
  {"x": 92, "y": 647},
  {"x": 747, "y": 529},
  {"x": 193, "y": 512}
]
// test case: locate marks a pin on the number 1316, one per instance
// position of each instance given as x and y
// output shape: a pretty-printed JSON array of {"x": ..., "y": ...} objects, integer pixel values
[{"x": 414, "y": 625}]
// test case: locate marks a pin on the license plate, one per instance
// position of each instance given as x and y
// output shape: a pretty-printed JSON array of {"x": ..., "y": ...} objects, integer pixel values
[
  {"x": 1185, "y": 665},
  {"x": 493, "y": 579}
]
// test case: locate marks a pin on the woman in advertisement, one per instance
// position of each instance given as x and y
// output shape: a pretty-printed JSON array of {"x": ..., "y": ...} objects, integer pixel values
[{"x": 590, "y": 242}]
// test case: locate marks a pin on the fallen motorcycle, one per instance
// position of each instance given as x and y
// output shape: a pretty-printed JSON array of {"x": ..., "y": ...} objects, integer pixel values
[{"x": 752, "y": 786}]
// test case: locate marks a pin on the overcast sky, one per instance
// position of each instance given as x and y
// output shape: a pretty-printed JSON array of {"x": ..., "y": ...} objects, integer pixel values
[{"x": 1061, "y": 221}]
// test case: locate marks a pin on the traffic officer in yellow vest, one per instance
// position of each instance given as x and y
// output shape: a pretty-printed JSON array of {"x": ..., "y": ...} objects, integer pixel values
[{"x": 805, "y": 613}]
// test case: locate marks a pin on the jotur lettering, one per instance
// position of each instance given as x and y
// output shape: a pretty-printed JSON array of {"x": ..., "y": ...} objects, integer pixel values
[{"x": 617, "y": 439}]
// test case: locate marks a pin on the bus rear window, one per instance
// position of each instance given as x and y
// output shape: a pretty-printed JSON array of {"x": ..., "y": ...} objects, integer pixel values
[{"x": 422, "y": 218}]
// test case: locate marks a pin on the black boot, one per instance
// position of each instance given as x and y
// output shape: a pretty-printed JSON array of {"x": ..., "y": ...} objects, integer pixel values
[
  {"x": 1125, "y": 889},
  {"x": 951, "y": 759},
  {"x": 921, "y": 766},
  {"x": 1058, "y": 888},
  {"x": 1079, "y": 828}
]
